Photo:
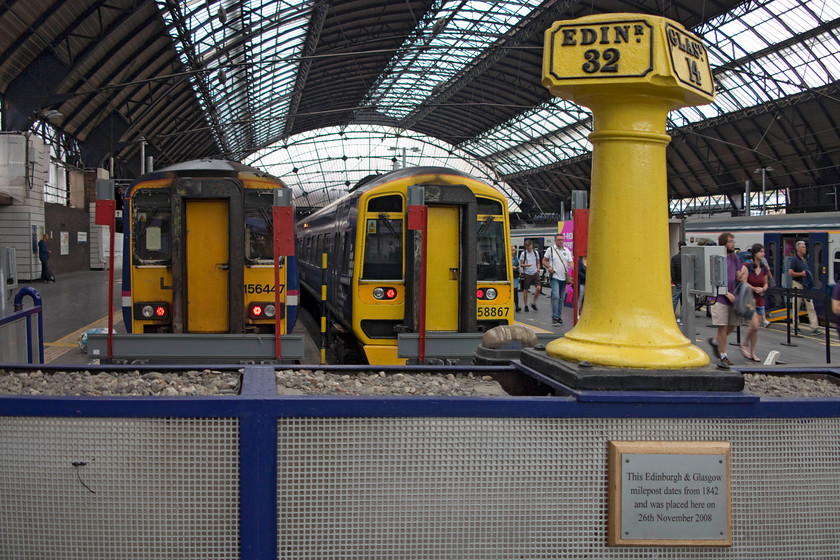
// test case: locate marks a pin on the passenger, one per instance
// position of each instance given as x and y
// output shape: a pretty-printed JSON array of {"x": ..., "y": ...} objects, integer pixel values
[
  {"x": 771, "y": 283},
  {"x": 676, "y": 280},
  {"x": 835, "y": 306},
  {"x": 558, "y": 261},
  {"x": 757, "y": 278},
  {"x": 529, "y": 260},
  {"x": 723, "y": 312},
  {"x": 581, "y": 278},
  {"x": 515, "y": 262},
  {"x": 800, "y": 277},
  {"x": 44, "y": 256}
]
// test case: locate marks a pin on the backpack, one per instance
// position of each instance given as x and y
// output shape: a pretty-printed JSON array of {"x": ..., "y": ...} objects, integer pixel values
[{"x": 744, "y": 301}]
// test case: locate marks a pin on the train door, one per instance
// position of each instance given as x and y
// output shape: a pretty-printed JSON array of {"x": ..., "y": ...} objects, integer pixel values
[
  {"x": 207, "y": 265},
  {"x": 443, "y": 261},
  {"x": 775, "y": 258},
  {"x": 818, "y": 259}
]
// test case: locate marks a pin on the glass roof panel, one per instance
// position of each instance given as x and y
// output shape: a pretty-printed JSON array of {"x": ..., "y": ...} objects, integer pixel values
[
  {"x": 319, "y": 166},
  {"x": 444, "y": 45},
  {"x": 247, "y": 60},
  {"x": 753, "y": 50}
]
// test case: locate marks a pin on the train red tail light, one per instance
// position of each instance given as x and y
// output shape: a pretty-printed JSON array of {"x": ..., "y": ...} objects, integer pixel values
[
  {"x": 384, "y": 293},
  {"x": 151, "y": 311}
]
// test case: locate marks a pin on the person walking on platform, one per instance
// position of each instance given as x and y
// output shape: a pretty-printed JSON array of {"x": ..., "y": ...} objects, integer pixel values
[
  {"x": 800, "y": 277},
  {"x": 723, "y": 312},
  {"x": 676, "y": 279},
  {"x": 558, "y": 262},
  {"x": 529, "y": 261},
  {"x": 515, "y": 263},
  {"x": 757, "y": 278},
  {"x": 44, "y": 257}
]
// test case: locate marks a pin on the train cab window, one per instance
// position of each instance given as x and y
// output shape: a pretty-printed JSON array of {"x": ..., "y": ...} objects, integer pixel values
[
  {"x": 383, "y": 249},
  {"x": 389, "y": 203},
  {"x": 487, "y": 206},
  {"x": 492, "y": 251},
  {"x": 151, "y": 216},
  {"x": 259, "y": 227}
]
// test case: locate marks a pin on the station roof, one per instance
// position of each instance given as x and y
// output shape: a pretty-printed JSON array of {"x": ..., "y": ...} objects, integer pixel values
[{"x": 228, "y": 79}]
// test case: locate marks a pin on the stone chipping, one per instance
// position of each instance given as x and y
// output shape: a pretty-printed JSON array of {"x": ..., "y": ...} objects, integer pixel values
[{"x": 319, "y": 382}]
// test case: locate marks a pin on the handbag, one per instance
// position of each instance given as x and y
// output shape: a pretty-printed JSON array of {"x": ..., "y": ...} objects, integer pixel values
[{"x": 744, "y": 301}]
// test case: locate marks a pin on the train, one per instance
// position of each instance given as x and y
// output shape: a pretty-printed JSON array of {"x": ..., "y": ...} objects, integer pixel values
[
  {"x": 778, "y": 233},
  {"x": 198, "y": 252},
  {"x": 372, "y": 274}
]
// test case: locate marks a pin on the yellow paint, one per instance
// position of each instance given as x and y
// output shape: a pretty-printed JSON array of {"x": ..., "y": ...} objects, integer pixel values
[
  {"x": 207, "y": 258},
  {"x": 442, "y": 268},
  {"x": 378, "y": 355},
  {"x": 628, "y": 320}
]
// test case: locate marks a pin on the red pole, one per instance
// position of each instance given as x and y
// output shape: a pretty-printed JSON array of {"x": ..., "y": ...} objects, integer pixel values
[
  {"x": 112, "y": 227},
  {"x": 421, "y": 350},
  {"x": 283, "y": 245},
  {"x": 580, "y": 218},
  {"x": 418, "y": 221},
  {"x": 106, "y": 216}
]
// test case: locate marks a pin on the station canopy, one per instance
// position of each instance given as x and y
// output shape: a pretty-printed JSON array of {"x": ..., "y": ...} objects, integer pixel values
[{"x": 325, "y": 92}]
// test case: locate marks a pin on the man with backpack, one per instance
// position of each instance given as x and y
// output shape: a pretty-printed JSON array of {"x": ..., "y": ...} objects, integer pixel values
[{"x": 529, "y": 262}]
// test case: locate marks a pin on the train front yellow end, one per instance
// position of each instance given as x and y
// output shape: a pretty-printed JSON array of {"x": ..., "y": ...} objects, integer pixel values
[
  {"x": 468, "y": 268},
  {"x": 199, "y": 252}
]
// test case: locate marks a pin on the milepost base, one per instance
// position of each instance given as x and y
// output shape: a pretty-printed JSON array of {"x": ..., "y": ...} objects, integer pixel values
[{"x": 592, "y": 377}]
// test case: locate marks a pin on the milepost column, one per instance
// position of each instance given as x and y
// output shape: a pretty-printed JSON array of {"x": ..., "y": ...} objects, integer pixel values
[{"x": 630, "y": 70}]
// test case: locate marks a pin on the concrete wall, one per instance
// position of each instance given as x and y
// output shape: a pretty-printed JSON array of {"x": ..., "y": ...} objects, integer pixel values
[{"x": 22, "y": 223}]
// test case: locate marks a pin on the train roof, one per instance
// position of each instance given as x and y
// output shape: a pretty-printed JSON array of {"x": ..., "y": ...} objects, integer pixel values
[
  {"x": 374, "y": 180},
  {"x": 204, "y": 168},
  {"x": 805, "y": 222}
]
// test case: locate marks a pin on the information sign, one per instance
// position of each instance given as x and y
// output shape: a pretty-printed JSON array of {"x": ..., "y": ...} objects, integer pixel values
[
  {"x": 669, "y": 494},
  {"x": 601, "y": 50}
]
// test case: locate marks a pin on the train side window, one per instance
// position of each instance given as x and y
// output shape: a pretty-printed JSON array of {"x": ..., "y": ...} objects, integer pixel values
[
  {"x": 836, "y": 266},
  {"x": 770, "y": 254},
  {"x": 151, "y": 215},
  {"x": 492, "y": 251},
  {"x": 259, "y": 227},
  {"x": 383, "y": 249},
  {"x": 388, "y": 203}
]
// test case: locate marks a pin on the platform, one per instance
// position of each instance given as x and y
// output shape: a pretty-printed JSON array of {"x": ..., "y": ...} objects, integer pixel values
[{"x": 78, "y": 302}]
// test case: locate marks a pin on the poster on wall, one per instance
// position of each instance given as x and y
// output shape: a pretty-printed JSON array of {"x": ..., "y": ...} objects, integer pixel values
[{"x": 64, "y": 236}]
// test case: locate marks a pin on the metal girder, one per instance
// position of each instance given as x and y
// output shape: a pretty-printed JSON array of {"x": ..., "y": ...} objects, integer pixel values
[{"x": 173, "y": 348}]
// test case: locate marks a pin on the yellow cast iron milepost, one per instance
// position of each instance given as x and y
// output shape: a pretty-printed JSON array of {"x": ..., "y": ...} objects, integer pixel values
[{"x": 630, "y": 70}]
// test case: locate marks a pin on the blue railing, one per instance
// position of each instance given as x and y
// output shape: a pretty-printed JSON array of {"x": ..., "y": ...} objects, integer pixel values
[{"x": 21, "y": 314}]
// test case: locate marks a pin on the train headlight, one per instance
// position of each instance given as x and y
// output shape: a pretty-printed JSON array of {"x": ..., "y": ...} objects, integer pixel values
[
  {"x": 384, "y": 293},
  {"x": 151, "y": 311},
  {"x": 489, "y": 293}
]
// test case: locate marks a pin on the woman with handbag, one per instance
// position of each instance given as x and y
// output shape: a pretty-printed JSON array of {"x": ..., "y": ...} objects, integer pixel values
[
  {"x": 758, "y": 281},
  {"x": 558, "y": 261}
]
